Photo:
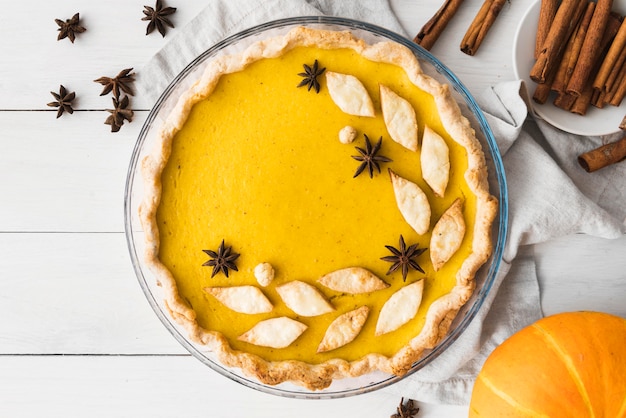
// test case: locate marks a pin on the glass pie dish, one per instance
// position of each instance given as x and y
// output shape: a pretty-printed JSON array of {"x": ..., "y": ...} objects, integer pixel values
[{"x": 238, "y": 43}]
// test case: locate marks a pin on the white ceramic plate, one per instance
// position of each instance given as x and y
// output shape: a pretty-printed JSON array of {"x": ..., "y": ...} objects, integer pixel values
[{"x": 597, "y": 121}]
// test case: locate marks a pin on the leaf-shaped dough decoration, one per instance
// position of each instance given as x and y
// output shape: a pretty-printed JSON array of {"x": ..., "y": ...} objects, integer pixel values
[
  {"x": 275, "y": 332},
  {"x": 349, "y": 94},
  {"x": 447, "y": 235},
  {"x": 412, "y": 202},
  {"x": 435, "y": 161},
  {"x": 400, "y": 308},
  {"x": 304, "y": 299},
  {"x": 353, "y": 280},
  {"x": 399, "y": 117},
  {"x": 242, "y": 299},
  {"x": 344, "y": 329}
]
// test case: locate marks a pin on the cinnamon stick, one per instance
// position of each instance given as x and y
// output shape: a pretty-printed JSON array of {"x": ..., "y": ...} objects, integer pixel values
[
  {"x": 620, "y": 92},
  {"x": 565, "y": 20},
  {"x": 622, "y": 125},
  {"x": 547, "y": 11},
  {"x": 480, "y": 25},
  {"x": 603, "y": 156},
  {"x": 591, "y": 47},
  {"x": 612, "y": 92},
  {"x": 583, "y": 101},
  {"x": 616, "y": 52},
  {"x": 542, "y": 92},
  {"x": 431, "y": 31},
  {"x": 572, "y": 50},
  {"x": 568, "y": 61},
  {"x": 614, "y": 74},
  {"x": 565, "y": 101},
  {"x": 598, "y": 99},
  {"x": 589, "y": 94}
]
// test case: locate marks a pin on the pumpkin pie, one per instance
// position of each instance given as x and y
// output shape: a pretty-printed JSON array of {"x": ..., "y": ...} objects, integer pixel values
[{"x": 316, "y": 208}]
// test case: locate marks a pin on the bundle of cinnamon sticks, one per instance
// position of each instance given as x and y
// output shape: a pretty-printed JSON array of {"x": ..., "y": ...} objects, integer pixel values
[{"x": 580, "y": 55}]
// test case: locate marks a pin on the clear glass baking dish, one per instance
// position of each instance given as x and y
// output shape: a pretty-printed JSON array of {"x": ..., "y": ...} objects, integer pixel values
[{"x": 237, "y": 43}]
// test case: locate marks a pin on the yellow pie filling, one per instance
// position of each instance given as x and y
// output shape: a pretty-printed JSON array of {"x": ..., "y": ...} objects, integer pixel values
[{"x": 259, "y": 165}]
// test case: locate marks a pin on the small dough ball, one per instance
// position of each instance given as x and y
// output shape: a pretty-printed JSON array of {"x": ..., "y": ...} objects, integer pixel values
[
  {"x": 264, "y": 274},
  {"x": 347, "y": 135}
]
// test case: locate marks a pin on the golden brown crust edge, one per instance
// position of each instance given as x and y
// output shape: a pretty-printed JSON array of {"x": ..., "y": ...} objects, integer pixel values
[{"x": 441, "y": 312}]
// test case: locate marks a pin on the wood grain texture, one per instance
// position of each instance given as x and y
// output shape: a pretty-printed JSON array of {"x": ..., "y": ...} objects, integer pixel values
[
  {"x": 581, "y": 272},
  {"x": 68, "y": 293},
  {"x": 34, "y": 62},
  {"x": 172, "y": 386},
  {"x": 63, "y": 175}
]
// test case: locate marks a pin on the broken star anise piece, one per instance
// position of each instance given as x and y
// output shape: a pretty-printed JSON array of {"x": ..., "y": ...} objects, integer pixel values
[
  {"x": 122, "y": 81},
  {"x": 68, "y": 28},
  {"x": 402, "y": 258},
  {"x": 408, "y": 410},
  {"x": 369, "y": 158},
  {"x": 310, "y": 75},
  {"x": 119, "y": 114},
  {"x": 222, "y": 260},
  {"x": 63, "y": 101},
  {"x": 158, "y": 17}
]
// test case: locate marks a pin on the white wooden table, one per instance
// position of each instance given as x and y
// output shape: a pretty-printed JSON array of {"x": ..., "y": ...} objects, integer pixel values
[{"x": 77, "y": 337}]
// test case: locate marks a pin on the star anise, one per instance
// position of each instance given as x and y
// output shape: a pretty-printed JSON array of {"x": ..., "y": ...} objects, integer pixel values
[
  {"x": 68, "y": 28},
  {"x": 406, "y": 411},
  {"x": 369, "y": 158},
  {"x": 63, "y": 101},
  {"x": 310, "y": 75},
  {"x": 119, "y": 114},
  {"x": 122, "y": 81},
  {"x": 403, "y": 258},
  {"x": 222, "y": 260},
  {"x": 158, "y": 17}
]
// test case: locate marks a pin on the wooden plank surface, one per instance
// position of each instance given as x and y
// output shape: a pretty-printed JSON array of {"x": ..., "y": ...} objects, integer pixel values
[
  {"x": 35, "y": 62},
  {"x": 69, "y": 293},
  {"x": 66, "y": 175},
  {"x": 164, "y": 386}
]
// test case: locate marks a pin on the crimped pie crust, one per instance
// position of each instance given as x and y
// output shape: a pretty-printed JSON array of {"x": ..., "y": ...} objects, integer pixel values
[{"x": 440, "y": 314}]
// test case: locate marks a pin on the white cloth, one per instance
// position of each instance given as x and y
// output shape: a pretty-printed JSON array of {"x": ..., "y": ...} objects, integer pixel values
[{"x": 549, "y": 195}]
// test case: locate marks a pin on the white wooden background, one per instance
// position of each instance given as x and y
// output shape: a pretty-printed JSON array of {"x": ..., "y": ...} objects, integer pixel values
[{"x": 77, "y": 337}]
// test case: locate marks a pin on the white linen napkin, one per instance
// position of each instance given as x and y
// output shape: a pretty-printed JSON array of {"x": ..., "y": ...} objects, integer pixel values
[{"x": 549, "y": 195}]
